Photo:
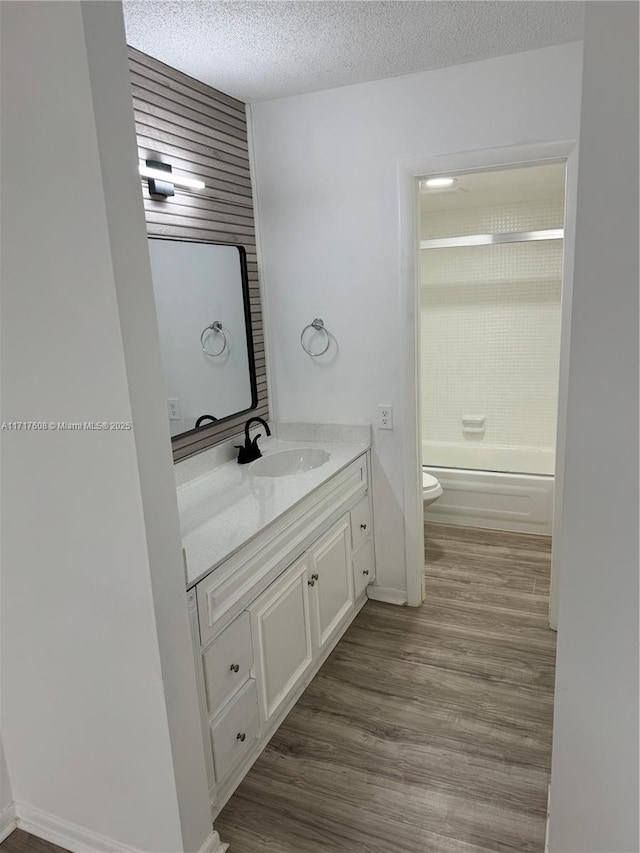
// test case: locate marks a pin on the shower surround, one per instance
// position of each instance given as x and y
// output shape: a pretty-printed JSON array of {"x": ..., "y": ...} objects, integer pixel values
[{"x": 490, "y": 349}]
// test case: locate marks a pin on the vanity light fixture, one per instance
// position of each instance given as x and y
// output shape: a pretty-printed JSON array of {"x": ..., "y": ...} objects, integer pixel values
[
  {"x": 437, "y": 183},
  {"x": 162, "y": 180}
]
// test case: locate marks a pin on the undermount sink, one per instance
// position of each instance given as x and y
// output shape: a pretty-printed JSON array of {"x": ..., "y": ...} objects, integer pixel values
[{"x": 286, "y": 462}]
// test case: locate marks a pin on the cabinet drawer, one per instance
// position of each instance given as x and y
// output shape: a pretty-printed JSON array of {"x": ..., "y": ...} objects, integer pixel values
[
  {"x": 360, "y": 522},
  {"x": 234, "y": 733},
  {"x": 363, "y": 567},
  {"x": 227, "y": 663}
]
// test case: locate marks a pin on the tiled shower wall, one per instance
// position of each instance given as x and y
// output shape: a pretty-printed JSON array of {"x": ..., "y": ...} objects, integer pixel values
[{"x": 491, "y": 340}]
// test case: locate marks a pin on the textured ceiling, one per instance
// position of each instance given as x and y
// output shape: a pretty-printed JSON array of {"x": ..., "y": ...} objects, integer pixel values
[{"x": 257, "y": 51}]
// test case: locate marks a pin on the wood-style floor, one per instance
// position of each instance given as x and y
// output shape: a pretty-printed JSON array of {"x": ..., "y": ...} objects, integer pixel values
[
  {"x": 22, "y": 842},
  {"x": 426, "y": 731}
]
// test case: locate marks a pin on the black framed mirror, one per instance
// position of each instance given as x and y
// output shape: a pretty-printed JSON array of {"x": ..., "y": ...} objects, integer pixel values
[{"x": 206, "y": 338}]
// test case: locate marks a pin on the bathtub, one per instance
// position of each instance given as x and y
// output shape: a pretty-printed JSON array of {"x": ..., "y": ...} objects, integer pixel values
[{"x": 518, "y": 502}]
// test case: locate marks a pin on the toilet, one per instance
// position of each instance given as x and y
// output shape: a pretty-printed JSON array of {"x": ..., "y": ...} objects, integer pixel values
[{"x": 431, "y": 488}]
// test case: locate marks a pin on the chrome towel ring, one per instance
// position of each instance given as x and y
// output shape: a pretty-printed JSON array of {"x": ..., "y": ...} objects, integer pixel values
[
  {"x": 216, "y": 326},
  {"x": 319, "y": 326}
]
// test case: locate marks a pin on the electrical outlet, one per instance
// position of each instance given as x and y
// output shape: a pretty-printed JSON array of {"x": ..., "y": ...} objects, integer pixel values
[
  {"x": 385, "y": 416},
  {"x": 174, "y": 409}
]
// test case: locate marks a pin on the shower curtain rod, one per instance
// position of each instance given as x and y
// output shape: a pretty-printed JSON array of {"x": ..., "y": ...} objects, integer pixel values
[{"x": 493, "y": 239}]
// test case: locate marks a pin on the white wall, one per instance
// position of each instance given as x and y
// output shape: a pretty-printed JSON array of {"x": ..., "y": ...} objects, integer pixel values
[
  {"x": 490, "y": 339},
  {"x": 594, "y": 785},
  {"x": 99, "y": 715},
  {"x": 327, "y": 185}
]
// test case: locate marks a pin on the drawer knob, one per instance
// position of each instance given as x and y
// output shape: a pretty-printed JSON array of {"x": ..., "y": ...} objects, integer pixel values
[
  {"x": 235, "y": 667},
  {"x": 241, "y": 736},
  {"x": 363, "y": 527},
  {"x": 365, "y": 571}
]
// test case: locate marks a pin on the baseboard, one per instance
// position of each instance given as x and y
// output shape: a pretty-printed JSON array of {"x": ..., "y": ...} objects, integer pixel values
[
  {"x": 71, "y": 836},
  {"x": 8, "y": 821},
  {"x": 75, "y": 838},
  {"x": 387, "y": 594},
  {"x": 213, "y": 845}
]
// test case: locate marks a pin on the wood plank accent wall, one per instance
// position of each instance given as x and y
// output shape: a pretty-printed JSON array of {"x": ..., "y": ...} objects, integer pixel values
[{"x": 201, "y": 132}]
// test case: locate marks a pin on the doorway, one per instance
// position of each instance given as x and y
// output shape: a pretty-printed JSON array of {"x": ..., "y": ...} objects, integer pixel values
[
  {"x": 489, "y": 409},
  {"x": 491, "y": 266},
  {"x": 409, "y": 175}
]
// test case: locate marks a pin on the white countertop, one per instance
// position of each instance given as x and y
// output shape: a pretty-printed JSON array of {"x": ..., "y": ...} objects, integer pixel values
[{"x": 224, "y": 508}]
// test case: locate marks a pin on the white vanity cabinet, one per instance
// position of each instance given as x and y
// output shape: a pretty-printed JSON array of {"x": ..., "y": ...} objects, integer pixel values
[{"x": 264, "y": 621}]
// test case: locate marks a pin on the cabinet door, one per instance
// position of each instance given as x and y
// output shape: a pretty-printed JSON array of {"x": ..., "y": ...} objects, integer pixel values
[
  {"x": 281, "y": 632},
  {"x": 332, "y": 579}
]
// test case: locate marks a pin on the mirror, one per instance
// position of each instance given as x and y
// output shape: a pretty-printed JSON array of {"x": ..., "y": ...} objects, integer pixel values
[{"x": 202, "y": 303}]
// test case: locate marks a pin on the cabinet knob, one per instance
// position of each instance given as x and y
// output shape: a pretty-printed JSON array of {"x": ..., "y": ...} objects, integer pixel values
[
  {"x": 314, "y": 577},
  {"x": 235, "y": 667},
  {"x": 241, "y": 736},
  {"x": 363, "y": 527},
  {"x": 365, "y": 571},
  {"x": 311, "y": 583}
]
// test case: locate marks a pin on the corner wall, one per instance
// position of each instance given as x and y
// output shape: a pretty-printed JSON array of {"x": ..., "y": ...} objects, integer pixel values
[
  {"x": 327, "y": 185},
  {"x": 99, "y": 709},
  {"x": 594, "y": 781}
]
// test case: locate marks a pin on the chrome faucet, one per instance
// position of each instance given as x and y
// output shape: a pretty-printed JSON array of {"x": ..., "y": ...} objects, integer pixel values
[{"x": 250, "y": 450}]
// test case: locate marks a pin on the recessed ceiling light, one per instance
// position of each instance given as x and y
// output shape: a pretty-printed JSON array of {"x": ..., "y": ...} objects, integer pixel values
[{"x": 437, "y": 183}]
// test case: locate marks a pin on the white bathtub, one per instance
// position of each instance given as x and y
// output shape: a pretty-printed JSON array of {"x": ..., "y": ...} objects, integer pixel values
[{"x": 519, "y": 502}]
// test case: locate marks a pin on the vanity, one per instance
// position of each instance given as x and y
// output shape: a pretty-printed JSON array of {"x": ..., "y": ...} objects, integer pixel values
[
  {"x": 278, "y": 555},
  {"x": 278, "y": 552}
]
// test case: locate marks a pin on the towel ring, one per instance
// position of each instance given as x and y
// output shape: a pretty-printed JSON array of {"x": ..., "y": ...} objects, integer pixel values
[
  {"x": 319, "y": 326},
  {"x": 216, "y": 326}
]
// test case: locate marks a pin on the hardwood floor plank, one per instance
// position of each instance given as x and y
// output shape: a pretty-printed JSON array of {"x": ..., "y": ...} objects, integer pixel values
[
  {"x": 477, "y": 536},
  {"x": 491, "y": 659},
  {"x": 462, "y": 713},
  {"x": 511, "y": 601},
  {"x": 427, "y": 729},
  {"x": 22, "y": 842},
  {"x": 416, "y": 763}
]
